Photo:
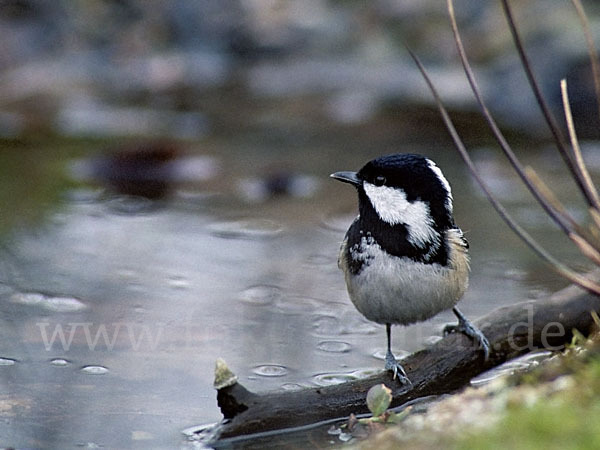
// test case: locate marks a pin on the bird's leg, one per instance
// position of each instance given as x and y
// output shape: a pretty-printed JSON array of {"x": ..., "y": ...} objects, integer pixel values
[
  {"x": 467, "y": 328},
  {"x": 390, "y": 361}
]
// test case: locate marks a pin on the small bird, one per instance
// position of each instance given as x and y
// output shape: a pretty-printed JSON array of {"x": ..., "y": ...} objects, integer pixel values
[{"x": 404, "y": 259}]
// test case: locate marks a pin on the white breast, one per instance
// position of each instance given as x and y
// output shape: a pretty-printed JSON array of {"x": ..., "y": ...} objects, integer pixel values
[{"x": 398, "y": 290}]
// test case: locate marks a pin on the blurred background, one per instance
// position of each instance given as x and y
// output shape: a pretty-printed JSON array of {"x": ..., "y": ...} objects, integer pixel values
[{"x": 164, "y": 193}]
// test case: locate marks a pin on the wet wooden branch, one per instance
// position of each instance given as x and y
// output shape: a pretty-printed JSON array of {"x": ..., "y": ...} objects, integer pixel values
[{"x": 442, "y": 368}]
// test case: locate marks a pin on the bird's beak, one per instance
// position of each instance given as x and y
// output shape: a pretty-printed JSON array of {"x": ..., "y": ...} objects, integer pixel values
[{"x": 347, "y": 177}]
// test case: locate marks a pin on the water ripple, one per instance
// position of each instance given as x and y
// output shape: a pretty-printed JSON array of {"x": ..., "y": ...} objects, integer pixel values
[
  {"x": 49, "y": 303},
  {"x": 245, "y": 229},
  {"x": 292, "y": 387},
  {"x": 334, "y": 346},
  {"x": 94, "y": 370},
  {"x": 270, "y": 370},
  {"x": 130, "y": 205},
  {"x": 260, "y": 294},
  {"x": 322, "y": 260},
  {"x": 59, "y": 362},
  {"x": 399, "y": 354},
  {"x": 336, "y": 221},
  {"x": 326, "y": 325},
  {"x": 295, "y": 304},
  {"x": 178, "y": 282}
]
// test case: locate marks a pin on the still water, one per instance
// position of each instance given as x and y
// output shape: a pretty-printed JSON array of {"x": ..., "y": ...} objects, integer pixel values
[{"x": 114, "y": 309}]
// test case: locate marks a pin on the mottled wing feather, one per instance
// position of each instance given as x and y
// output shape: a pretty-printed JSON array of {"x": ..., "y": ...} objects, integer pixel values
[
  {"x": 342, "y": 251},
  {"x": 462, "y": 238}
]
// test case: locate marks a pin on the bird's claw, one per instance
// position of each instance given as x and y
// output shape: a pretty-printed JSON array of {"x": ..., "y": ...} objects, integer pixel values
[
  {"x": 465, "y": 327},
  {"x": 397, "y": 370}
]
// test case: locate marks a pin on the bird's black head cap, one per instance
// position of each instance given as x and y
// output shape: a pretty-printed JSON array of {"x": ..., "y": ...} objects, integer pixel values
[{"x": 417, "y": 176}]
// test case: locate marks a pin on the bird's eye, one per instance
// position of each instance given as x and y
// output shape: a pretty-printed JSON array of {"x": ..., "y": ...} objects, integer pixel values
[{"x": 379, "y": 180}]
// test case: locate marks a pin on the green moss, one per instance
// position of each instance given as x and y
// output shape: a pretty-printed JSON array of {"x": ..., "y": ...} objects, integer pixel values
[
  {"x": 566, "y": 419},
  {"x": 549, "y": 424}
]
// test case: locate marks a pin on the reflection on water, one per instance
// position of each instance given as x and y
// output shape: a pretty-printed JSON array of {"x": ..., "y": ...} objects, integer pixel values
[
  {"x": 41, "y": 301},
  {"x": 326, "y": 379},
  {"x": 94, "y": 370},
  {"x": 522, "y": 363},
  {"x": 113, "y": 312}
]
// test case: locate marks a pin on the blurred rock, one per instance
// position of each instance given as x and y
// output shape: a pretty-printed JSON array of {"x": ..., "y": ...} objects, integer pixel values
[
  {"x": 87, "y": 118},
  {"x": 11, "y": 124},
  {"x": 149, "y": 170},
  {"x": 278, "y": 183},
  {"x": 582, "y": 97},
  {"x": 143, "y": 66}
]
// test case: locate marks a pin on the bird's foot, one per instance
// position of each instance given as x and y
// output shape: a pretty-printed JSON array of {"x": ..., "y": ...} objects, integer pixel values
[
  {"x": 396, "y": 368},
  {"x": 465, "y": 327}
]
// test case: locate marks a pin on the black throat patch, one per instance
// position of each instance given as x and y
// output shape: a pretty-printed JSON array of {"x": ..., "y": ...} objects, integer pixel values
[{"x": 393, "y": 239}]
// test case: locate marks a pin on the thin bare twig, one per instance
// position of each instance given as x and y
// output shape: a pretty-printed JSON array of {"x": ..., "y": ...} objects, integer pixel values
[
  {"x": 596, "y": 216},
  {"x": 548, "y": 116},
  {"x": 584, "y": 245},
  {"x": 586, "y": 249},
  {"x": 562, "y": 218},
  {"x": 544, "y": 190},
  {"x": 593, "y": 54},
  {"x": 577, "y": 157},
  {"x": 560, "y": 268}
]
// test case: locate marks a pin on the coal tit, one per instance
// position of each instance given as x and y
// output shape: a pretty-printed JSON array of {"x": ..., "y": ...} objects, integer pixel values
[{"x": 404, "y": 259}]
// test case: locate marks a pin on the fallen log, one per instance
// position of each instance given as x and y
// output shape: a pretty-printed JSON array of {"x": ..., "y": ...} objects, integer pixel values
[{"x": 441, "y": 368}]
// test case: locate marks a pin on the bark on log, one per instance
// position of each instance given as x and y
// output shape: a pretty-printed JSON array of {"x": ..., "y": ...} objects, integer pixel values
[{"x": 444, "y": 367}]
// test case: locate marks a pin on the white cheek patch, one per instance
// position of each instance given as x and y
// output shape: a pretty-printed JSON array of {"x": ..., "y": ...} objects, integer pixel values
[
  {"x": 444, "y": 182},
  {"x": 393, "y": 207}
]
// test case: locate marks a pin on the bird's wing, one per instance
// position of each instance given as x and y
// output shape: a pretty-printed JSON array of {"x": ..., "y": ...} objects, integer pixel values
[
  {"x": 342, "y": 251},
  {"x": 461, "y": 237},
  {"x": 341, "y": 254}
]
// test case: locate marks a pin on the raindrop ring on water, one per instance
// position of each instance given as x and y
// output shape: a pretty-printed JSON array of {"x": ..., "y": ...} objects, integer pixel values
[{"x": 270, "y": 370}]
